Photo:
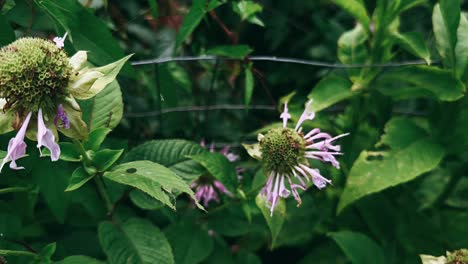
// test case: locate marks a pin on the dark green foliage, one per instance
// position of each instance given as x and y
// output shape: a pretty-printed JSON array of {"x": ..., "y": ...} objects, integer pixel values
[{"x": 123, "y": 194}]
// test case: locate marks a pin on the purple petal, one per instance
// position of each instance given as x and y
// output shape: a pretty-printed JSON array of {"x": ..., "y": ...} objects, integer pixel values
[
  {"x": 17, "y": 146},
  {"x": 62, "y": 116},
  {"x": 285, "y": 115},
  {"x": 59, "y": 41},
  {"x": 46, "y": 138},
  {"x": 306, "y": 115}
]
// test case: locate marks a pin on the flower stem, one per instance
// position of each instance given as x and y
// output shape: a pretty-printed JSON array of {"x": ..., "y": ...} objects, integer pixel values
[
  {"x": 14, "y": 189},
  {"x": 102, "y": 191},
  {"x": 4, "y": 252},
  {"x": 97, "y": 179},
  {"x": 84, "y": 154}
]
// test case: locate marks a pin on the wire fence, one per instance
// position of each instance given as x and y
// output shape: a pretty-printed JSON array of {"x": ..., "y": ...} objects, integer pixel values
[
  {"x": 279, "y": 59},
  {"x": 197, "y": 108}
]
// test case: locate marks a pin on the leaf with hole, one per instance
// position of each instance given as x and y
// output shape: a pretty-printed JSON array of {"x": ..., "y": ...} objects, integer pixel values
[
  {"x": 152, "y": 178},
  {"x": 135, "y": 241}
]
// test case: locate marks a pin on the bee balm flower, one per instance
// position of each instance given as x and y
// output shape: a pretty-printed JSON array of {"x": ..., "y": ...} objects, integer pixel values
[
  {"x": 285, "y": 152},
  {"x": 38, "y": 81}
]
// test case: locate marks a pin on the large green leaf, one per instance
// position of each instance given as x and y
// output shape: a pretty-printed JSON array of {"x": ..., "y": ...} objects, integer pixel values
[
  {"x": 172, "y": 153},
  {"x": 421, "y": 81},
  {"x": 190, "y": 243},
  {"x": 357, "y": 9},
  {"x": 220, "y": 167},
  {"x": 358, "y": 247},
  {"x": 351, "y": 48},
  {"x": 152, "y": 178},
  {"x": 79, "y": 260},
  {"x": 414, "y": 43},
  {"x": 445, "y": 21},
  {"x": 136, "y": 241},
  {"x": 105, "y": 109},
  {"x": 52, "y": 179},
  {"x": 275, "y": 222},
  {"x": 329, "y": 91},
  {"x": 191, "y": 21},
  {"x": 374, "y": 171},
  {"x": 461, "y": 49},
  {"x": 7, "y": 35},
  {"x": 86, "y": 32}
]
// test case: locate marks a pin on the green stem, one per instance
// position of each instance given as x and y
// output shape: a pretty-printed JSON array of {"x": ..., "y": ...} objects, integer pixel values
[
  {"x": 102, "y": 191},
  {"x": 84, "y": 154},
  {"x": 4, "y": 252},
  {"x": 14, "y": 189},
  {"x": 97, "y": 179}
]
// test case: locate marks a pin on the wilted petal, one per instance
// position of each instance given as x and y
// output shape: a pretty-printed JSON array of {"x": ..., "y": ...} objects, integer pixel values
[
  {"x": 283, "y": 192},
  {"x": 46, "y": 138},
  {"x": 78, "y": 60},
  {"x": 285, "y": 115},
  {"x": 62, "y": 116},
  {"x": 59, "y": 41},
  {"x": 318, "y": 180},
  {"x": 274, "y": 195},
  {"x": 306, "y": 115},
  {"x": 16, "y": 146},
  {"x": 85, "y": 80}
]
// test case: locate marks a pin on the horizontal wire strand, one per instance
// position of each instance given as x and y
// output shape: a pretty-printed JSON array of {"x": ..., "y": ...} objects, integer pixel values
[{"x": 279, "y": 59}]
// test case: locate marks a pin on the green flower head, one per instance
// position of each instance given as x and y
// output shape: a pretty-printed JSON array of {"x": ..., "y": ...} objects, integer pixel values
[{"x": 34, "y": 74}]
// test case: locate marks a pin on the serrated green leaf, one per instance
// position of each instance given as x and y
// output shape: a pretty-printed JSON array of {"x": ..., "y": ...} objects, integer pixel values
[
  {"x": 78, "y": 179},
  {"x": 144, "y": 201},
  {"x": 152, "y": 178},
  {"x": 90, "y": 34},
  {"x": 358, "y": 247},
  {"x": 438, "y": 82},
  {"x": 275, "y": 222},
  {"x": 329, "y": 91},
  {"x": 374, "y": 171},
  {"x": 190, "y": 243},
  {"x": 172, "y": 153},
  {"x": 401, "y": 132},
  {"x": 105, "y": 158},
  {"x": 95, "y": 139},
  {"x": 232, "y": 51},
  {"x": 357, "y": 9},
  {"x": 248, "y": 85},
  {"x": 220, "y": 167},
  {"x": 105, "y": 109},
  {"x": 247, "y": 10},
  {"x": 136, "y": 241},
  {"x": 191, "y": 21},
  {"x": 414, "y": 43},
  {"x": 79, "y": 260}
]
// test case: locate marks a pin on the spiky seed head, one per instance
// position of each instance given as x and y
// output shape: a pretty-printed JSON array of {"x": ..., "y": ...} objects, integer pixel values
[
  {"x": 282, "y": 149},
  {"x": 34, "y": 73}
]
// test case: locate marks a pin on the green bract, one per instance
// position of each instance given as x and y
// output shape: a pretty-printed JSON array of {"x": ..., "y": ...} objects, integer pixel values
[
  {"x": 282, "y": 149},
  {"x": 34, "y": 73}
]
